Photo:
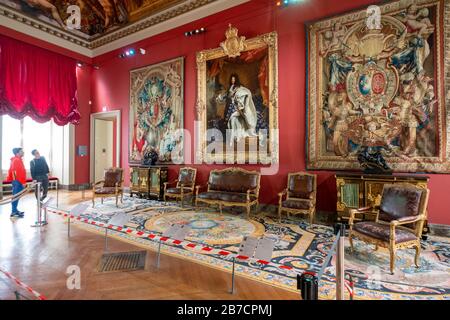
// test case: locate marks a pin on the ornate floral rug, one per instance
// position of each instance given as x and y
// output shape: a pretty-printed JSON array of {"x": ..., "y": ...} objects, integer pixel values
[{"x": 297, "y": 245}]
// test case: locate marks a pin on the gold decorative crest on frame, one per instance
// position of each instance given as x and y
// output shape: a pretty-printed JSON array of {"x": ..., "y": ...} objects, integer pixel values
[{"x": 234, "y": 44}]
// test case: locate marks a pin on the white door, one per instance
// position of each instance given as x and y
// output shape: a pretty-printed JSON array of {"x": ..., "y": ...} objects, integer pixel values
[{"x": 104, "y": 153}]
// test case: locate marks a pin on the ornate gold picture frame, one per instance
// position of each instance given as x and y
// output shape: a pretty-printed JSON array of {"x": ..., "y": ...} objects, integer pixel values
[
  {"x": 156, "y": 113},
  {"x": 376, "y": 92},
  {"x": 237, "y": 98}
]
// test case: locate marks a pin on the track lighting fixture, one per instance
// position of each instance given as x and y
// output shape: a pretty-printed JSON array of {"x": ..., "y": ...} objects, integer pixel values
[
  {"x": 285, "y": 3},
  {"x": 128, "y": 53},
  {"x": 194, "y": 32}
]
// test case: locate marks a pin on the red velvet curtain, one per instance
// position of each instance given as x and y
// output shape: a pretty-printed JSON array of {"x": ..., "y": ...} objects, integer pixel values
[{"x": 37, "y": 83}]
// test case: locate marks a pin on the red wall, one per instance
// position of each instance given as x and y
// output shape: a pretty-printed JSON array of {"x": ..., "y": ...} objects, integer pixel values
[
  {"x": 82, "y": 130},
  {"x": 110, "y": 87}
]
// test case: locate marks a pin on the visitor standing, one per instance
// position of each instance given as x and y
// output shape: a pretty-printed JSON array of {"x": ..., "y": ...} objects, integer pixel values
[
  {"x": 18, "y": 176},
  {"x": 39, "y": 172}
]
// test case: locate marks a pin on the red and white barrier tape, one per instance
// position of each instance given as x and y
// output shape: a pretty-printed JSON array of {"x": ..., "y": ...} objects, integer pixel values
[
  {"x": 23, "y": 285},
  {"x": 184, "y": 243},
  {"x": 224, "y": 253},
  {"x": 349, "y": 286}
]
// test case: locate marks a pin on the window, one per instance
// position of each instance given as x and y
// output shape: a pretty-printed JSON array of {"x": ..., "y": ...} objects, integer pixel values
[
  {"x": 36, "y": 136},
  {"x": 11, "y": 138},
  {"x": 29, "y": 135}
]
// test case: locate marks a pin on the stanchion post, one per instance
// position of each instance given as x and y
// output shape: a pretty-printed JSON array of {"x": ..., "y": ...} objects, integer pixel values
[
  {"x": 45, "y": 215},
  {"x": 68, "y": 226},
  {"x": 308, "y": 284},
  {"x": 39, "y": 222},
  {"x": 340, "y": 264},
  {"x": 106, "y": 239},
  {"x": 38, "y": 199},
  {"x": 75, "y": 212},
  {"x": 159, "y": 255},
  {"x": 232, "y": 275}
]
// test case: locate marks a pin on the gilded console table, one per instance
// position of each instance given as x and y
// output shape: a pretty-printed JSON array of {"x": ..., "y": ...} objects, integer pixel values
[
  {"x": 148, "y": 181},
  {"x": 356, "y": 190}
]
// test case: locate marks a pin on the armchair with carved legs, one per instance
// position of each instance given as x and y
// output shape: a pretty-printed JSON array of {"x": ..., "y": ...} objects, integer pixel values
[
  {"x": 184, "y": 185},
  {"x": 300, "y": 195},
  {"x": 110, "y": 186},
  {"x": 398, "y": 221}
]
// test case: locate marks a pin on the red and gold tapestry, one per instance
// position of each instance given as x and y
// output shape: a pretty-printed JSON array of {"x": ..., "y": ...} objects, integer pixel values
[{"x": 376, "y": 80}]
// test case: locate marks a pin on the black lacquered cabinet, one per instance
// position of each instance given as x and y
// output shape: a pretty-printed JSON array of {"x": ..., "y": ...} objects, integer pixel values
[{"x": 148, "y": 181}]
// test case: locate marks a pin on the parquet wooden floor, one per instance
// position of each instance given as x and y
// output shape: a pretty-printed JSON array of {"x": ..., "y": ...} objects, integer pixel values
[{"x": 40, "y": 257}]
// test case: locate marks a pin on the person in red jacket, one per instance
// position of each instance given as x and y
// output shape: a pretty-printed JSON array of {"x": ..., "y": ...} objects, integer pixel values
[{"x": 18, "y": 176}]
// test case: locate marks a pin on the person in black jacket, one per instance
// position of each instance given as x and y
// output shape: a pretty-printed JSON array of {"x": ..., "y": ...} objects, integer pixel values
[{"x": 39, "y": 172}]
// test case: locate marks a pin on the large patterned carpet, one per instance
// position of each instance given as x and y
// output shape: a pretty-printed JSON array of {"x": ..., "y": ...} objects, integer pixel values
[{"x": 297, "y": 244}]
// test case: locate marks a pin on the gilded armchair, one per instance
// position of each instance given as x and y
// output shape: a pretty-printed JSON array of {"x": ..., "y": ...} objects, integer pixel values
[
  {"x": 110, "y": 186},
  {"x": 398, "y": 220},
  {"x": 185, "y": 185},
  {"x": 300, "y": 195}
]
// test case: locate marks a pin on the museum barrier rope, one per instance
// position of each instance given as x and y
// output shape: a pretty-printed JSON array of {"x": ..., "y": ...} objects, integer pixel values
[
  {"x": 17, "y": 196},
  {"x": 337, "y": 248},
  {"x": 22, "y": 285},
  {"x": 5, "y": 201},
  {"x": 37, "y": 189}
]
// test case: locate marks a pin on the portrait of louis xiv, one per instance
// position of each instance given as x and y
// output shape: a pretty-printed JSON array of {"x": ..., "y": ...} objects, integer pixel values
[
  {"x": 237, "y": 97},
  {"x": 375, "y": 84}
]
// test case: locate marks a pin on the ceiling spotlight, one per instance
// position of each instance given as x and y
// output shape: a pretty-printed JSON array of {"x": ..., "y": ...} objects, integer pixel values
[
  {"x": 142, "y": 51},
  {"x": 127, "y": 53},
  {"x": 196, "y": 31},
  {"x": 285, "y": 3},
  {"x": 96, "y": 67},
  {"x": 79, "y": 64}
]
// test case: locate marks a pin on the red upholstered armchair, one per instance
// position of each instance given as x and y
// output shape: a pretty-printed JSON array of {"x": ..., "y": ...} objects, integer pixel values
[
  {"x": 185, "y": 185},
  {"x": 300, "y": 195},
  {"x": 110, "y": 186},
  {"x": 398, "y": 221}
]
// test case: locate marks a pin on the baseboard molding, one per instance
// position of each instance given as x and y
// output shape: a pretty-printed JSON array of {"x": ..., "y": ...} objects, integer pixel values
[
  {"x": 441, "y": 230},
  {"x": 75, "y": 187}
]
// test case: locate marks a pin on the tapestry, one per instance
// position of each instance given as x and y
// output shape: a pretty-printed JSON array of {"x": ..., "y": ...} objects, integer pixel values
[
  {"x": 237, "y": 100},
  {"x": 376, "y": 86},
  {"x": 297, "y": 245},
  {"x": 156, "y": 113}
]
